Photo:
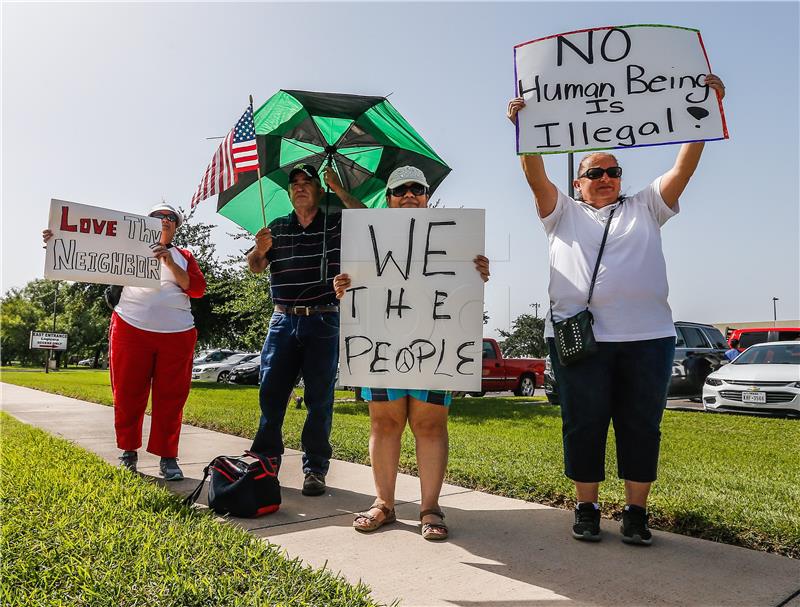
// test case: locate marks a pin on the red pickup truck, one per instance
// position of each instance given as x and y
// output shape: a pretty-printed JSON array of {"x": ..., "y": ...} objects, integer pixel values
[{"x": 521, "y": 375}]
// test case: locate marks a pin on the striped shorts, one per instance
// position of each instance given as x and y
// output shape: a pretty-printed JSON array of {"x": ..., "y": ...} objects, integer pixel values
[{"x": 434, "y": 397}]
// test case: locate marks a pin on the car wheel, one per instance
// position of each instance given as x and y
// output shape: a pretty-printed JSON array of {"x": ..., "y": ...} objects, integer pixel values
[
  {"x": 477, "y": 394},
  {"x": 223, "y": 376},
  {"x": 527, "y": 385}
]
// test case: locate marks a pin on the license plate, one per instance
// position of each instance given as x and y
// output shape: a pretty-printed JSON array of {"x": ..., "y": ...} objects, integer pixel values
[{"x": 759, "y": 398}]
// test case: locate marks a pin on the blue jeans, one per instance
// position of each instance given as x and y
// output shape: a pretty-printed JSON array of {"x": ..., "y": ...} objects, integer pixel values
[
  {"x": 625, "y": 383},
  {"x": 307, "y": 345}
]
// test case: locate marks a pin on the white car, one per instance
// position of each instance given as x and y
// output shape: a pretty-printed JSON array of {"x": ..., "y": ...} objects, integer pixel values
[
  {"x": 765, "y": 378},
  {"x": 219, "y": 371}
]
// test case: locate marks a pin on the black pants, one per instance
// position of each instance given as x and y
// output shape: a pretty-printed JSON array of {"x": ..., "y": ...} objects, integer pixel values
[{"x": 624, "y": 383}]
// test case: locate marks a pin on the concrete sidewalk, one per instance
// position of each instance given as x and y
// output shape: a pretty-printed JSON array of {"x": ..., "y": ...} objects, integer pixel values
[{"x": 502, "y": 552}]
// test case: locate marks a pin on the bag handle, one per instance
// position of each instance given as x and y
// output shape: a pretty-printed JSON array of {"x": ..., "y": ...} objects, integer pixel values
[
  {"x": 195, "y": 494},
  {"x": 600, "y": 253},
  {"x": 596, "y": 263}
]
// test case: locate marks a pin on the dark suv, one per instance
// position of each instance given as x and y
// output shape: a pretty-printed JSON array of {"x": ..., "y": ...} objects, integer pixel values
[{"x": 699, "y": 350}]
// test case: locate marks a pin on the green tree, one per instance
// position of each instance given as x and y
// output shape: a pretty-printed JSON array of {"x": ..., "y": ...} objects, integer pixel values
[
  {"x": 526, "y": 338},
  {"x": 18, "y": 317}
]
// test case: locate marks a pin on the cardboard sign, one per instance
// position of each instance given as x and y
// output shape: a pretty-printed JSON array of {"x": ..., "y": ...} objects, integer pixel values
[
  {"x": 92, "y": 244},
  {"x": 413, "y": 316},
  {"x": 47, "y": 341},
  {"x": 615, "y": 87}
]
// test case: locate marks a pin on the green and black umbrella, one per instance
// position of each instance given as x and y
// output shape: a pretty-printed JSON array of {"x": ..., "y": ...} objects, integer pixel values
[{"x": 364, "y": 138}]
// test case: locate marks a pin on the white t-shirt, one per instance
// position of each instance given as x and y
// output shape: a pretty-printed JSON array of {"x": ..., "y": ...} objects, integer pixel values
[
  {"x": 164, "y": 310},
  {"x": 629, "y": 302}
]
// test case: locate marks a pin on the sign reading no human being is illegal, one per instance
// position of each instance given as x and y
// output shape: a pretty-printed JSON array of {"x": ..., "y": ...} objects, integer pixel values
[
  {"x": 615, "y": 87},
  {"x": 93, "y": 244},
  {"x": 413, "y": 315}
]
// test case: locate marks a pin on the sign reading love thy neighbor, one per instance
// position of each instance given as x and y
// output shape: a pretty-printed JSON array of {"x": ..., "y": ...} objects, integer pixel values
[
  {"x": 413, "y": 315},
  {"x": 615, "y": 87},
  {"x": 92, "y": 244}
]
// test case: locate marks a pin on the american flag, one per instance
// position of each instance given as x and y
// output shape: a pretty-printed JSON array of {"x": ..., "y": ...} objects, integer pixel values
[{"x": 237, "y": 153}]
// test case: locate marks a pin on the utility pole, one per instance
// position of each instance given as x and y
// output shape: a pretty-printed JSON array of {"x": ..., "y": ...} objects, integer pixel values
[
  {"x": 535, "y": 306},
  {"x": 774, "y": 312}
]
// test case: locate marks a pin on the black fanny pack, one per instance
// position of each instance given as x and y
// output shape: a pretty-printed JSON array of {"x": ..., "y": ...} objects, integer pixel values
[{"x": 574, "y": 336}]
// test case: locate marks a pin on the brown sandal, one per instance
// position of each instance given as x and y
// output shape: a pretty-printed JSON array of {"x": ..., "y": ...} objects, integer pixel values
[
  {"x": 372, "y": 522},
  {"x": 434, "y": 532}
]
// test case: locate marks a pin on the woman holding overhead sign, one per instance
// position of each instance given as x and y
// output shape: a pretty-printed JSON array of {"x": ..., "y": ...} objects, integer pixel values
[{"x": 610, "y": 329}]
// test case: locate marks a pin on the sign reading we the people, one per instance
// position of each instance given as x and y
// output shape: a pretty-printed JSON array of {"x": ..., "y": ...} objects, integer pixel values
[
  {"x": 40, "y": 340},
  {"x": 615, "y": 87},
  {"x": 413, "y": 315},
  {"x": 92, "y": 244}
]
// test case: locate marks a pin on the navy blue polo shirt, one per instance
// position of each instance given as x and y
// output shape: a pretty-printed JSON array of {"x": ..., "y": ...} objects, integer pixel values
[{"x": 295, "y": 259}]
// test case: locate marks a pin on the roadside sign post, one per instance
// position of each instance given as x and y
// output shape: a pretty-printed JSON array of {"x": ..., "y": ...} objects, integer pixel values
[{"x": 40, "y": 340}]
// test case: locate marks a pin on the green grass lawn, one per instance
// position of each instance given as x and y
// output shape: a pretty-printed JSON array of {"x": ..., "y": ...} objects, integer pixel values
[
  {"x": 78, "y": 532},
  {"x": 733, "y": 479}
]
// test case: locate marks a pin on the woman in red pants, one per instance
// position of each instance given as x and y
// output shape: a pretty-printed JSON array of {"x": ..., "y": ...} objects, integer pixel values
[{"x": 151, "y": 347}]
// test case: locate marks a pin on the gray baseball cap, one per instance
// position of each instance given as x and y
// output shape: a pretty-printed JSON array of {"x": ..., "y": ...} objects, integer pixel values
[{"x": 406, "y": 174}]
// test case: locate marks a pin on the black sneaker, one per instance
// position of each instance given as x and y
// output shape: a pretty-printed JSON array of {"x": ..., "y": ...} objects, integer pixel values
[
  {"x": 128, "y": 460},
  {"x": 634, "y": 526},
  {"x": 587, "y": 523},
  {"x": 170, "y": 469},
  {"x": 314, "y": 483}
]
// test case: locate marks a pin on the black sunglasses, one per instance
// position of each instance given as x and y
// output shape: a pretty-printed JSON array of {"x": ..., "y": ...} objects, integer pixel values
[
  {"x": 597, "y": 173},
  {"x": 417, "y": 189},
  {"x": 171, "y": 216}
]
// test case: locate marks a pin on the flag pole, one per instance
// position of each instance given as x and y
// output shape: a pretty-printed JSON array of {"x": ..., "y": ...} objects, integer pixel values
[{"x": 258, "y": 168}]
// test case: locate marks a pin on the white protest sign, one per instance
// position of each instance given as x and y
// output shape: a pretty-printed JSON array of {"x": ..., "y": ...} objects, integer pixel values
[
  {"x": 413, "y": 316},
  {"x": 615, "y": 87},
  {"x": 92, "y": 244},
  {"x": 47, "y": 341}
]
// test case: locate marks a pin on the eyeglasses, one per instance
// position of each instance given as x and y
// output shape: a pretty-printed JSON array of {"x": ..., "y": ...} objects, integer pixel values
[
  {"x": 597, "y": 173},
  {"x": 170, "y": 216},
  {"x": 417, "y": 189}
]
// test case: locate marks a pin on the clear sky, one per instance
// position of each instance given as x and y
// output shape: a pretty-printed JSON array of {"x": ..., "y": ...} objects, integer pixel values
[{"x": 111, "y": 104}]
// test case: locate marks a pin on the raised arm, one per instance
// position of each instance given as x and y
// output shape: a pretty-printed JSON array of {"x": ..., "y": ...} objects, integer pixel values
[
  {"x": 333, "y": 182},
  {"x": 674, "y": 181},
  {"x": 544, "y": 192}
]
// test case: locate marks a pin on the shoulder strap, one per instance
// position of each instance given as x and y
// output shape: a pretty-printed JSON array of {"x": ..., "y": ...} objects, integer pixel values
[{"x": 600, "y": 252}]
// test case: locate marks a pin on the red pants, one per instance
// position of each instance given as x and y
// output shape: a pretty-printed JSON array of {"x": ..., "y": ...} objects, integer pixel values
[{"x": 138, "y": 360}]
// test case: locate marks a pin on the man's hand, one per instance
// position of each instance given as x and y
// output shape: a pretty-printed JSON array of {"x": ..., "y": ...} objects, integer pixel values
[
  {"x": 263, "y": 241},
  {"x": 482, "y": 266},
  {"x": 340, "y": 284},
  {"x": 46, "y": 236},
  {"x": 514, "y": 106}
]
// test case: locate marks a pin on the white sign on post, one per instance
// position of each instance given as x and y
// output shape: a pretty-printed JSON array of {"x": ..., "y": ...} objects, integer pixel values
[
  {"x": 615, "y": 87},
  {"x": 92, "y": 244},
  {"x": 413, "y": 316},
  {"x": 47, "y": 341}
]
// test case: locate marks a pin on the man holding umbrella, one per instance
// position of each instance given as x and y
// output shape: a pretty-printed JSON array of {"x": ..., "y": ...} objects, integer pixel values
[{"x": 302, "y": 251}]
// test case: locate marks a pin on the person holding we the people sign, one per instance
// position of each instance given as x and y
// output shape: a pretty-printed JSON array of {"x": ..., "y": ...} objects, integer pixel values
[{"x": 610, "y": 330}]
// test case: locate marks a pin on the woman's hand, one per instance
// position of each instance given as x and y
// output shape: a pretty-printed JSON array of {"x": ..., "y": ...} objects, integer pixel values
[
  {"x": 340, "y": 284},
  {"x": 514, "y": 106},
  {"x": 162, "y": 253},
  {"x": 482, "y": 266},
  {"x": 716, "y": 83}
]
